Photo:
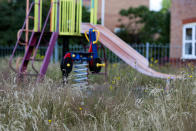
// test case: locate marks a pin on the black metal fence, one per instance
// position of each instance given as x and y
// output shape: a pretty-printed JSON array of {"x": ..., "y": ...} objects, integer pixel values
[{"x": 152, "y": 52}]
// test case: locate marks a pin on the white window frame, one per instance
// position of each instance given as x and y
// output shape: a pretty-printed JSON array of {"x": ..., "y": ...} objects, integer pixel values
[{"x": 193, "y": 41}]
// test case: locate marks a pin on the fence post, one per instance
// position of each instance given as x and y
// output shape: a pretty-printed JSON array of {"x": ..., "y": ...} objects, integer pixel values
[
  {"x": 56, "y": 53},
  {"x": 147, "y": 51},
  {"x": 51, "y": 59}
]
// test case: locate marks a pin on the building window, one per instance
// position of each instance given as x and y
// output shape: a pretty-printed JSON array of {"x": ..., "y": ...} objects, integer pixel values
[{"x": 189, "y": 41}]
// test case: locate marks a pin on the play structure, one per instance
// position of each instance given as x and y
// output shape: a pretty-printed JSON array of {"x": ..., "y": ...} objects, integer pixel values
[{"x": 65, "y": 19}]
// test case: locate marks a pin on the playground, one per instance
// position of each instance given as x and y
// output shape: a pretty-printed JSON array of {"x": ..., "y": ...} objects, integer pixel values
[{"x": 85, "y": 91}]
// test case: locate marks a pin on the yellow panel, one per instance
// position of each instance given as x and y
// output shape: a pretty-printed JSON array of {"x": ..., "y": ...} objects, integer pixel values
[
  {"x": 70, "y": 17},
  {"x": 36, "y": 15}
]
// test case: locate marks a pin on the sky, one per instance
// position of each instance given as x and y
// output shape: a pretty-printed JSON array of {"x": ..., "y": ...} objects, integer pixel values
[{"x": 155, "y": 5}]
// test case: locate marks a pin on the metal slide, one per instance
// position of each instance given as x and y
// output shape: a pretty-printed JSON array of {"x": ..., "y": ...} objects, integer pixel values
[{"x": 125, "y": 52}]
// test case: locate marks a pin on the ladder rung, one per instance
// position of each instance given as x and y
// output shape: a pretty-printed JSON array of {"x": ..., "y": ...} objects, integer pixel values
[
  {"x": 22, "y": 43},
  {"x": 31, "y": 17},
  {"x": 29, "y": 30},
  {"x": 24, "y": 30}
]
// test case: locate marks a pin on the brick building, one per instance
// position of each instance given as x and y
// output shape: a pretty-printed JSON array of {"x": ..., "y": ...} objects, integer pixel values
[
  {"x": 113, "y": 7},
  {"x": 183, "y": 30}
]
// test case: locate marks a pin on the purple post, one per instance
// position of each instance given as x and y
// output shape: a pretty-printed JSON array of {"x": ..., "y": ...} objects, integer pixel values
[
  {"x": 28, "y": 53},
  {"x": 49, "y": 52}
]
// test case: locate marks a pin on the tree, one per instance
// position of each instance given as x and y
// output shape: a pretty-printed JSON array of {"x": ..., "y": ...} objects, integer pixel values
[
  {"x": 145, "y": 26},
  {"x": 166, "y": 4},
  {"x": 12, "y": 16}
]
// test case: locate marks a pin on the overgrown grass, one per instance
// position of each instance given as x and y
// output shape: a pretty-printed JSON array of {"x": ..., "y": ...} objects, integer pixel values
[{"x": 127, "y": 100}]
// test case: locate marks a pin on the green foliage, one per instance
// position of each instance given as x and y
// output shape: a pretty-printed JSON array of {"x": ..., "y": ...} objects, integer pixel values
[
  {"x": 166, "y": 4},
  {"x": 145, "y": 26},
  {"x": 12, "y": 16},
  {"x": 85, "y": 15}
]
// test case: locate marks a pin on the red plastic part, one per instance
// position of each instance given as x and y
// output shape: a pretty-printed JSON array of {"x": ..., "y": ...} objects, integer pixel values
[{"x": 67, "y": 55}]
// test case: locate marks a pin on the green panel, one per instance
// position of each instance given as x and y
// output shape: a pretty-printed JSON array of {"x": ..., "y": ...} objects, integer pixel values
[
  {"x": 80, "y": 16},
  {"x": 54, "y": 16},
  {"x": 73, "y": 16},
  {"x": 92, "y": 12},
  {"x": 95, "y": 11},
  {"x": 60, "y": 12},
  {"x": 36, "y": 15},
  {"x": 94, "y": 8},
  {"x": 77, "y": 17},
  {"x": 70, "y": 17}
]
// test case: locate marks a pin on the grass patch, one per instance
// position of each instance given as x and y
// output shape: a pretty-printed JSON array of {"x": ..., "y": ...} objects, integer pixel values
[{"x": 126, "y": 101}]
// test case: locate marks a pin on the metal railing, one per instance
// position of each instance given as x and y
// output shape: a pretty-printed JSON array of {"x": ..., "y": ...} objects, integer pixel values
[{"x": 152, "y": 52}]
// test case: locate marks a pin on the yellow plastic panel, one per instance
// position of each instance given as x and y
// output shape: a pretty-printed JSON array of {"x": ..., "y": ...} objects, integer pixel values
[
  {"x": 36, "y": 15},
  {"x": 70, "y": 17}
]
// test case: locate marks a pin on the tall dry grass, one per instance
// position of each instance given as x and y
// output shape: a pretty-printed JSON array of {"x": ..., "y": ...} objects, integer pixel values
[{"x": 126, "y": 101}]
